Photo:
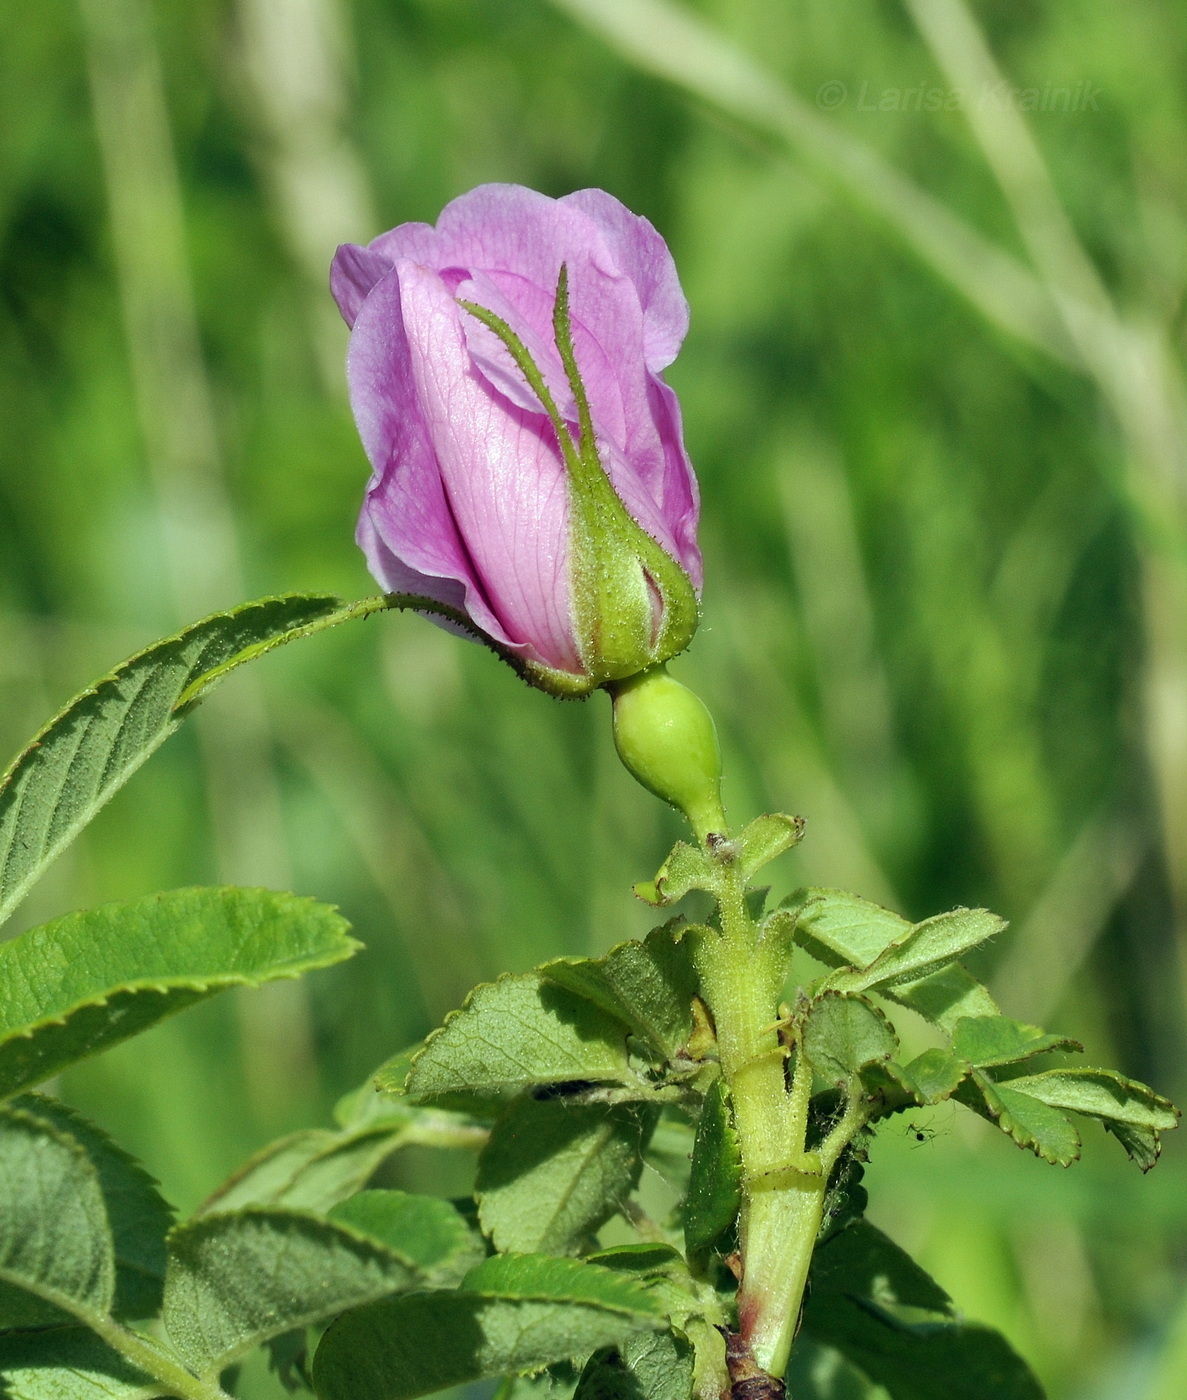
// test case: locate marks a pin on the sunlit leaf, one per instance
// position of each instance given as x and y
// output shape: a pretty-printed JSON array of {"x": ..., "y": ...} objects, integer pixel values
[
  {"x": 843, "y": 1034},
  {"x": 87, "y": 752},
  {"x": 90, "y": 980},
  {"x": 425, "y": 1230},
  {"x": 520, "y": 1031}
]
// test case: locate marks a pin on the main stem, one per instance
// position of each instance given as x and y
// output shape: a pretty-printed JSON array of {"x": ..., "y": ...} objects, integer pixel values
[{"x": 783, "y": 1186}]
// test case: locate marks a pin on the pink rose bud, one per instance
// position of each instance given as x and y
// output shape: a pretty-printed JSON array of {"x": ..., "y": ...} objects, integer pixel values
[{"x": 529, "y": 471}]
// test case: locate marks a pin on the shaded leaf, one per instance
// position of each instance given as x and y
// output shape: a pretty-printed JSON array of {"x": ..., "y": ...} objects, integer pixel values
[
  {"x": 430, "y": 1233},
  {"x": 68, "y": 1364},
  {"x": 925, "y": 948},
  {"x": 514, "y": 1313},
  {"x": 518, "y": 1032},
  {"x": 648, "y": 985},
  {"x": 945, "y": 996},
  {"x": 841, "y": 929},
  {"x": 669, "y": 1152},
  {"x": 649, "y": 1366},
  {"x": 882, "y": 1312},
  {"x": 554, "y": 1172},
  {"x": 236, "y": 1280},
  {"x": 56, "y": 1253},
  {"x": 996, "y": 1040},
  {"x": 90, "y": 980},
  {"x": 715, "y": 1181},
  {"x": 88, "y": 751},
  {"x": 643, "y": 1260},
  {"x": 935, "y": 1075},
  {"x": 843, "y": 1034},
  {"x": 137, "y": 1215}
]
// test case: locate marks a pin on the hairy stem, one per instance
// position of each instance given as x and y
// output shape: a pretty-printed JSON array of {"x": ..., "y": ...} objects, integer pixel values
[{"x": 174, "y": 1379}]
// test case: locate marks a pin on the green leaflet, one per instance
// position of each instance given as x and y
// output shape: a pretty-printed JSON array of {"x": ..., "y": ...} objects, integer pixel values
[
  {"x": 841, "y": 929},
  {"x": 87, "y": 752},
  {"x": 944, "y": 996},
  {"x": 137, "y": 1216},
  {"x": 235, "y": 1281},
  {"x": 520, "y": 1031},
  {"x": 1045, "y": 1131},
  {"x": 554, "y": 1172},
  {"x": 715, "y": 1181},
  {"x": 670, "y": 1150},
  {"x": 425, "y": 1230},
  {"x": 1033, "y": 1109},
  {"x": 892, "y": 1322},
  {"x": 935, "y": 1075},
  {"x": 758, "y": 843},
  {"x": 843, "y": 1034},
  {"x": 90, "y": 980},
  {"x": 925, "y": 948},
  {"x": 513, "y": 1313},
  {"x": 996, "y": 1040},
  {"x": 317, "y": 1168},
  {"x": 56, "y": 1251},
  {"x": 648, "y": 985},
  {"x": 649, "y": 1366},
  {"x": 68, "y": 1363}
]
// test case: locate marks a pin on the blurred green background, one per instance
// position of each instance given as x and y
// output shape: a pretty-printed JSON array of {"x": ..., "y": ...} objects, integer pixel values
[{"x": 941, "y": 444}]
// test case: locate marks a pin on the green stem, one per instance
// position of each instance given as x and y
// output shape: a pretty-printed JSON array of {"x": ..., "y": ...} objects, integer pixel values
[
  {"x": 783, "y": 1185},
  {"x": 174, "y": 1378}
]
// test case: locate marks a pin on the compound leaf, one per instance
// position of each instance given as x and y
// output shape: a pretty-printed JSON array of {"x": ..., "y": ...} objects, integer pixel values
[
  {"x": 715, "y": 1180},
  {"x": 520, "y": 1031},
  {"x": 648, "y": 985},
  {"x": 513, "y": 1313},
  {"x": 138, "y": 1217},
  {"x": 1133, "y": 1113},
  {"x": 882, "y": 1312},
  {"x": 843, "y": 1034},
  {"x": 88, "y": 751},
  {"x": 554, "y": 1172},
  {"x": 56, "y": 1252},
  {"x": 236, "y": 1280},
  {"x": 90, "y": 980}
]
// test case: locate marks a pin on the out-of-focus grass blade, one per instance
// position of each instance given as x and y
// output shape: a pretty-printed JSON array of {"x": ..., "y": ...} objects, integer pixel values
[{"x": 667, "y": 40}]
